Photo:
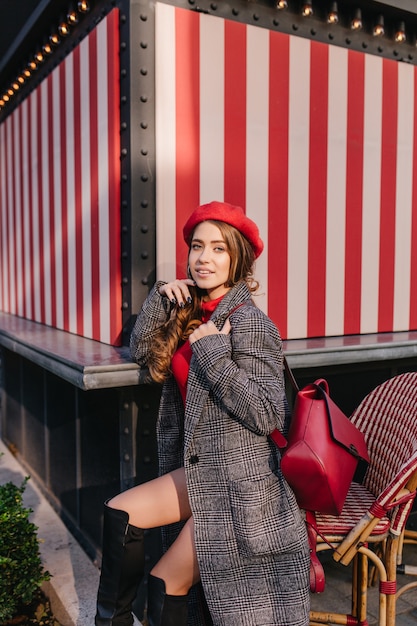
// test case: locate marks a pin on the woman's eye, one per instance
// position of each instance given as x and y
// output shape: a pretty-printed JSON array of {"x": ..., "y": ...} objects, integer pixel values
[{"x": 195, "y": 246}]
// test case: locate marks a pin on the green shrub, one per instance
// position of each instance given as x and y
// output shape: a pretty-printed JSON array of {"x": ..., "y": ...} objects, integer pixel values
[{"x": 21, "y": 571}]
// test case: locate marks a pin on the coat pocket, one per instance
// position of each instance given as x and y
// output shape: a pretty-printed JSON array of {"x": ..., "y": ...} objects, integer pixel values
[{"x": 264, "y": 520}]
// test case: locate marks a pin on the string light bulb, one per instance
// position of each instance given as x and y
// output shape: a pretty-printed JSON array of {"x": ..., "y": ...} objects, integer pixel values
[
  {"x": 400, "y": 36},
  {"x": 72, "y": 18},
  {"x": 333, "y": 16},
  {"x": 356, "y": 23},
  {"x": 83, "y": 6},
  {"x": 282, "y": 4},
  {"x": 63, "y": 29},
  {"x": 47, "y": 48},
  {"x": 54, "y": 39},
  {"x": 379, "y": 28},
  {"x": 307, "y": 10}
]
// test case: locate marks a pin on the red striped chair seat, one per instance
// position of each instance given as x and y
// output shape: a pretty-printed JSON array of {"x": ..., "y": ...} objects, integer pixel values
[{"x": 358, "y": 501}]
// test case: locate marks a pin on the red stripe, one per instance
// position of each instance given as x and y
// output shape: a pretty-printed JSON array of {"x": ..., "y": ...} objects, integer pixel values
[
  {"x": 52, "y": 242},
  {"x": 40, "y": 205},
  {"x": 64, "y": 195},
  {"x": 31, "y": 220},
  {"x": 78, "y": 193},
  {"x": 235, "y": 113},
  {"x": 279, "y": 79},
  {"x": 113, "y": 68},
  {"x": 413, "y": 259},
  {"x": 23, "y": 308},
  {"x": 10, "y": 219},
  {"x": 388, "y": 191},
  {"x": 4, "y": 225},
  {"x": 94, "y": 191},
  {"x": 317, "y": 190},
  {"x": 187, "y": 102},
  {"x": 354, "y": 192},
  {"x": 2, "y": 213},
  {"x": 14, "y": 219}
]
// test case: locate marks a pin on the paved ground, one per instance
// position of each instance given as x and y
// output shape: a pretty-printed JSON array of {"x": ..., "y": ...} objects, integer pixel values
[{"x": 74, "y": 581}]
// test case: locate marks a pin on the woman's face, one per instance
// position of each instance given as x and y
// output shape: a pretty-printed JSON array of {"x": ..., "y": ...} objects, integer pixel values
[{"x": 209, "y": 260}]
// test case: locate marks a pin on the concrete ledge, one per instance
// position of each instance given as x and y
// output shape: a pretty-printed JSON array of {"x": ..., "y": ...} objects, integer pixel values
[
  {"x": 85, "y": 363},
  {"x": 350, "y": 349},
  {"x": 73, "y": 586}
]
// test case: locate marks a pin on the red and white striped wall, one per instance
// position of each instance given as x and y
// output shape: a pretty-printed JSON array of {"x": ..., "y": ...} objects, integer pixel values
[
  {"x": 59, "y": 195},
  {"x": 317, "y": 143}
]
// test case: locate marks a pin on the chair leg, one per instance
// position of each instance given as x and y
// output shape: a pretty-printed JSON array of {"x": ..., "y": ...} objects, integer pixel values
[
  {"x": 391, "y": 553},
  {"x": 362, "y": 587}
]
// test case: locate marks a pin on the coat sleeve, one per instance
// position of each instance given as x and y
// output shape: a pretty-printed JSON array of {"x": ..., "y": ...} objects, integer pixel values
[
  {"x": 154, "y": 312},
  {"x": 244, "y": 370}
]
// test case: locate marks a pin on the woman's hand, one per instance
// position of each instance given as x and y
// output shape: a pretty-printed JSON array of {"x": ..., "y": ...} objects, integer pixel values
[
  {"x": 204, "y": 330},
  {"x": 177, "y": 291}
]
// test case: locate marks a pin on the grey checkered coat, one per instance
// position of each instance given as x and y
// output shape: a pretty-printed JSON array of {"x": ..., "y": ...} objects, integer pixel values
[{"x": 250, "y": 536}]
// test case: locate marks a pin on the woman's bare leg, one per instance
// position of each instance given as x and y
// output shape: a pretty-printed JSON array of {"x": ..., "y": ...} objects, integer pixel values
[
  {"x": 178, "y": 567},
  {"x": 158, "y": 502}
]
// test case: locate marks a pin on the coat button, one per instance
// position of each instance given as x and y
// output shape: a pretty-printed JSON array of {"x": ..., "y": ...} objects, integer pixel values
[{"x": 194, "y": 459}]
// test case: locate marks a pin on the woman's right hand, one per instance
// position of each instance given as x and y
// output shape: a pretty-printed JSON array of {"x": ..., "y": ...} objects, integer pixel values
[{"x": 177, "y": 291}]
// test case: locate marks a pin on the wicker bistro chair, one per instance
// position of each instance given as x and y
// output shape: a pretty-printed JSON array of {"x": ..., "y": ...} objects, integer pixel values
[{"x": 376, "y": 511}]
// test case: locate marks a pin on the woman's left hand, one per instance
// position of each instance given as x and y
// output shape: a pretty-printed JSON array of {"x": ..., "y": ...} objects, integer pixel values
[{"x": 204, "y": 330}]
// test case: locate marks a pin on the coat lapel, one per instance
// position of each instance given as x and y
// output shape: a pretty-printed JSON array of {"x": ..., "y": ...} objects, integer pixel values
[{"x": 197, "y": 387}]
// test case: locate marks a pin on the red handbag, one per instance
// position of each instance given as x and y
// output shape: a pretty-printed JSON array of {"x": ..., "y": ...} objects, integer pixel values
[{"x": 323, "y": 451}]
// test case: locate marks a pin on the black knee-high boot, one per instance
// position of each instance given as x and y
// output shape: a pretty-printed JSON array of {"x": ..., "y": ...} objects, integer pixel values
[
  {"x": 165, "y": 610},
  {"x": 121, "y": 570}
]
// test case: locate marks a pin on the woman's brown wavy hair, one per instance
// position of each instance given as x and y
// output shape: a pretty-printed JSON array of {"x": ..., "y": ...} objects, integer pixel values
[{"x": 184, "y": 320}]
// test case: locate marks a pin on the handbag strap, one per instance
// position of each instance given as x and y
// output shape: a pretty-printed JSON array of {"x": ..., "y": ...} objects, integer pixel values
[{"x": 291, "y": 375}]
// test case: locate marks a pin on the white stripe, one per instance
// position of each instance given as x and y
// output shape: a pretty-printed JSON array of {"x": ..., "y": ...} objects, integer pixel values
[
  {"x": 72, "y": 229},
  {"x": 56, "y": 112},
  {"x": 17, "y": 208},
  {"x": 103, "y": 183},
  {"x": 165, "y": 115},
  {"x": 26, "y": 212},
  {"x": 403, "y": 201},
  {"x": 4, "y": 238},
  {"x": 298, "y": 175},
  {"x": 211, "y": 109},
  {"x": 35, "y": 207},
  {"x": 371, "y": 194},
  {"x": 257, "y": 134},
  {"x": 86, "y": 187},
  {"x": 336, "y": 191},
  {"x": 11, "y": 234},
  {"x": 45, "y": 200}
]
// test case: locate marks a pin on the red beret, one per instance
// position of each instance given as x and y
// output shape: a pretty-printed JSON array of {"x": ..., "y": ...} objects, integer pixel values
[{"x": 224, "y": 212}]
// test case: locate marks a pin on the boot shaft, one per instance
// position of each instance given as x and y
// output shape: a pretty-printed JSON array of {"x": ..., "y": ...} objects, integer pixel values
[
  {"x": 163, "y": 609},
  {"x": 121, "y": 570}
]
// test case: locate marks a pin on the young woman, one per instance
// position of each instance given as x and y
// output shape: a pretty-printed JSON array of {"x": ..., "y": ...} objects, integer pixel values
[{"x": 230, "y": 521}]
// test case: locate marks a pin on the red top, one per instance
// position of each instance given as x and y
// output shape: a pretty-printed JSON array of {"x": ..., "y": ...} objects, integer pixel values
[{"x": 180, "y": 363}]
